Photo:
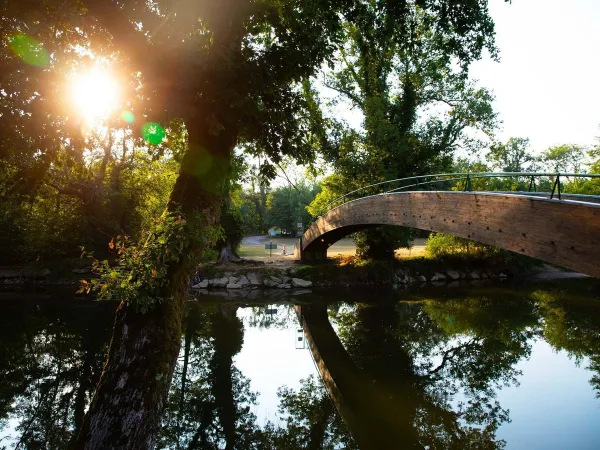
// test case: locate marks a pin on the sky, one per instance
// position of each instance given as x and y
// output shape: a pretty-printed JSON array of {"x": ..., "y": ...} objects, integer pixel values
[{"x": 547, "y": 84}]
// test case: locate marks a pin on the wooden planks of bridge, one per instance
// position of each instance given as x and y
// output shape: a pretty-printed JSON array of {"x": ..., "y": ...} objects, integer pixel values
[{"x": 562, "y": 232}]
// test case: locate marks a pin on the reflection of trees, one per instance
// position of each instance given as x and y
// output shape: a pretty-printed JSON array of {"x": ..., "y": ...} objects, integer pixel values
[
  {"x": 572, "y": 324},
  {"x": 50, "y": 360},
  {"x": 433, "y": 368},
  {"x": 209, "y": 403},
  {"x": 440, "y": 362},
  {"x": 311, "y": 421},
  {"x": 272, "y": 316}
]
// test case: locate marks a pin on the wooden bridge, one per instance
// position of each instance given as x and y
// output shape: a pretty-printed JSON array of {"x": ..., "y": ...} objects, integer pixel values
[{"x": 563, "y": 231}]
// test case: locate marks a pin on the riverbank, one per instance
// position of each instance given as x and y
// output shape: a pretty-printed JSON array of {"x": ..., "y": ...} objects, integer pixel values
[
  {"x": 286, "y": 273},
  {"x": 350, "y": 271}
]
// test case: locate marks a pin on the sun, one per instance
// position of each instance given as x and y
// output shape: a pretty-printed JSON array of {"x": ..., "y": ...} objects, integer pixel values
[{"x": 95, "y": 95}]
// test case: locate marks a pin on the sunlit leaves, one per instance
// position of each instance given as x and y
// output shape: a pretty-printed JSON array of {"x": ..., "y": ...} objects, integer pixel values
[{"x": 140, "y": 273}]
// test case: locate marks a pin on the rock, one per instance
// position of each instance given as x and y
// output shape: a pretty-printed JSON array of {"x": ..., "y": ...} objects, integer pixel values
[
  {"x": 284, "y": 286},
  {"x": 218, "y": 282},
  {"x": 298, "y": 282},
  {"x": 483, "y": 275},
  {"x": 285, "y": 280},
  {"x": 202, "y": 285},
  {"x": 422, "y": 279},
  {"x": 276, "y": 279},
  {"x": 452, "y": 274},
  {"x": 254, "y": 279},
  {"x": 473, "y": 275},
  {"x": 84, "y": 270},
  {"x": 502, "y": 275},
  {"x": 462, "y": 275},
  {"x": 238, "y": 283},
  {"x": 269, "y": 282},
  {"x": 438, "y": 277}
]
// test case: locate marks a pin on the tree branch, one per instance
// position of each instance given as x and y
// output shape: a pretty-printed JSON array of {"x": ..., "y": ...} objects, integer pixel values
[{"x": 348, "y": 94}]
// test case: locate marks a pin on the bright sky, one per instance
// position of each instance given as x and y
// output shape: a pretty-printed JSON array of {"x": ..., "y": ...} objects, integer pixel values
[{"x": 547, "y": 84}]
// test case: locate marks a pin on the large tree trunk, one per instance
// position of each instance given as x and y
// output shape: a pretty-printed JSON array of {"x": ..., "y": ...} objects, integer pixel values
[
  {"x": 227, "y": 254},
  {"x": 128, "y": 402}
]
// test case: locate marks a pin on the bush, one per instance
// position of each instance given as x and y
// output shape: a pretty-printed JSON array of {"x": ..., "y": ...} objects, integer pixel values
[{"x": 439, "y": 245}]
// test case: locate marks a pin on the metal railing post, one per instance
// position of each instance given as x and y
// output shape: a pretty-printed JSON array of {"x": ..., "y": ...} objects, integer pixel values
[
  {"x": 468, "y": 183},
  {"x": 556, "y": 186}
]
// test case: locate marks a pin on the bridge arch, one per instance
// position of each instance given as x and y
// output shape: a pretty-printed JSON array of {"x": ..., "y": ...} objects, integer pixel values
[{"x": 562, "y": 232}]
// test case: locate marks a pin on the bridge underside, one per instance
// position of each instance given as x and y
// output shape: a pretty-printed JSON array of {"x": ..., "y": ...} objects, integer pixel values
[{"x": 562, "y": 232}]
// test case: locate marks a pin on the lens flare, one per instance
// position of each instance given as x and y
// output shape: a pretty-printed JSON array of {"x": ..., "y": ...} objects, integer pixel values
[
  {"x": 95, "y": 94},
  {"x": 29, "y": 50},
  {"x": 128, "y": 117},
  {"x": 153, "y": 133}
]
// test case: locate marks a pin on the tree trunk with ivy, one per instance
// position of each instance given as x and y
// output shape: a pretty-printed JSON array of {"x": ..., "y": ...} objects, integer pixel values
[{"x": 129, "y": 399}]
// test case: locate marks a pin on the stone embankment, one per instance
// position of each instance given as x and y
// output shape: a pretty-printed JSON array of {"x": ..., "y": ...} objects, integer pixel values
[
  {"x": 251, "y": 280},
  {"x": 286, "y": 278}
]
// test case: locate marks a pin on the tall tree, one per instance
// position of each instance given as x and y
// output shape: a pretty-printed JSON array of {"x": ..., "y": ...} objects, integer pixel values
[{"x": 410, "y": 81}]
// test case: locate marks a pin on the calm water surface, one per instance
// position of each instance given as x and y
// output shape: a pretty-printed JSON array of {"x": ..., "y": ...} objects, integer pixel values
[{"x": 473, "y": 367}]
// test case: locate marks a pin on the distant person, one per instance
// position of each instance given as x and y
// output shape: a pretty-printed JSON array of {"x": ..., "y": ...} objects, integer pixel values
[{"x": 284, "y": 251}]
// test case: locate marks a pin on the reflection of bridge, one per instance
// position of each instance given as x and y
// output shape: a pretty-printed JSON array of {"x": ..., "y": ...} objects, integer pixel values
[
  {"x": 563, "y": 231},
  {"x": 373, "y": 418}
]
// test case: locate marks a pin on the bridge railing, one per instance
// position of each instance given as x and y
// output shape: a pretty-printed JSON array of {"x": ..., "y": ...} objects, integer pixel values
[{"x": 465, "y": 181}]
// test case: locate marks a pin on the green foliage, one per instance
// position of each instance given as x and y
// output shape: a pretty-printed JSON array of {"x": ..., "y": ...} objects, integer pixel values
[
  {"x": 564, "y": 158},
  {"x": 439, "y": 245},
  {"x": 382, "y": 243},
  {"x": 286, "y": 206},
  {"x": 514, "y": 156},
  {"x": 331, "y": 187},
  {"x": 140, "y": 272}
]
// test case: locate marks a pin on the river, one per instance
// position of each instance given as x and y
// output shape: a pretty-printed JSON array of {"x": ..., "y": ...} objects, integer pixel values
[{"x": 505, "y": 365}]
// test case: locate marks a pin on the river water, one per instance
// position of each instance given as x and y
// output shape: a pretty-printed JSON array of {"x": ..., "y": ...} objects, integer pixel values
[{"x": 513, "y": 366}]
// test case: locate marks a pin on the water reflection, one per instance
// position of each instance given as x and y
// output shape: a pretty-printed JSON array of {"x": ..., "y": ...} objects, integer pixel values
[{"x": 389, "y": 374}]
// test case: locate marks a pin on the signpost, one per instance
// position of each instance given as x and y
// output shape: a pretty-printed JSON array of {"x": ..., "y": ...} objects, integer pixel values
[{"x": 270, "y": 246}]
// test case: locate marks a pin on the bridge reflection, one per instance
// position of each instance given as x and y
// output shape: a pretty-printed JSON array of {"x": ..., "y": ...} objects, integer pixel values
[{"x": 376, "y": 417}]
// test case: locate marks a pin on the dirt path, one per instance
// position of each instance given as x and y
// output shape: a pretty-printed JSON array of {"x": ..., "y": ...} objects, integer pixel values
[{"x": 253, "y": 247}]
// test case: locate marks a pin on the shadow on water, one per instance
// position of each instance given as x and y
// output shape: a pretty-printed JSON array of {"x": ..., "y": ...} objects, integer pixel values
[{"x": 410, "y": 370}]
